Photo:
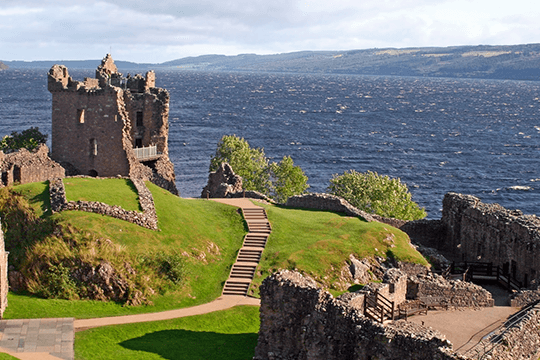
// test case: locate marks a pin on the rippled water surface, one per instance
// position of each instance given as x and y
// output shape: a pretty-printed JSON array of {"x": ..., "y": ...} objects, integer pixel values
[{"x": 479, "y": 137}]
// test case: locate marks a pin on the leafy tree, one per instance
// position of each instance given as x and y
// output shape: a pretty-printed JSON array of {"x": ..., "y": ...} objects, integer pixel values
[
  {"x": 376, "y": 194},
  {"x": 288, "y": 179},
  {"x": 29, "y": 139},
  {"x": 276, "y": 180}
]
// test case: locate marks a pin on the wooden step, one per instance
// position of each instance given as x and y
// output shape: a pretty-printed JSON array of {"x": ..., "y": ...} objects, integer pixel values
[
  {"x": 256, "y": 240},
  {"x": 248, "y": 255},
  {"x": 236, "y": 288},
  {"x": 243, "y": 271},
  {"x": 263, "y": 227}
]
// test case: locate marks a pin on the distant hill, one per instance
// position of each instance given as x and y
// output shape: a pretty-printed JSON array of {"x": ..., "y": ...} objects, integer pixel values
[
  {"x": 3, "y": 66},
  {"x": 515, "y": 62},
  {"x": 75, "y": 64},
  {"x": 518, "y": 62}
]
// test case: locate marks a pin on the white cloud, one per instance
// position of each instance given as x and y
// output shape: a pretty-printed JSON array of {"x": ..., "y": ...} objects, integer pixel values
[{"x": 156, "y": 31}]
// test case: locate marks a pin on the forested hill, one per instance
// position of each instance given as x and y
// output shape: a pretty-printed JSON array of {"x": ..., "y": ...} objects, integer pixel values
[
  {"x": 517, "y": 62},
  {"x": 3, "y": 66},
  {"x": 490, "y": 62}
]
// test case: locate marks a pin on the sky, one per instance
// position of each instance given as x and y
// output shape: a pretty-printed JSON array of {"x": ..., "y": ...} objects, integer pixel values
[{"x": 162, "y": 30}]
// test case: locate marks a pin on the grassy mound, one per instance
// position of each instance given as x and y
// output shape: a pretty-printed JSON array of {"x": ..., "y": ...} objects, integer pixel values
[{"x": 318, "y": 243}]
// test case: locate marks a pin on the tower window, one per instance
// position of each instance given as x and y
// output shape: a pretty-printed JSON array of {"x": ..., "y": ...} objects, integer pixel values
[
  {"x": 80, "y": 116},
  {"x": 93, "y": 147},
  {"x": 139, "y": 118}
]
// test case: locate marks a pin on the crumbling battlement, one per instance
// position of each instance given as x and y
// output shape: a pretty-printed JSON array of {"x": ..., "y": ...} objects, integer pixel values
[
  {"x": 26, "y": 166},
  {"x": 98, "y": 124},
  {"x": 301, "y": 321}
]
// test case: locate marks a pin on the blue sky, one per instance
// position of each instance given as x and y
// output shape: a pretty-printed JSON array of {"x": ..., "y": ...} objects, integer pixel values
[{"x": 158, "y": 31}]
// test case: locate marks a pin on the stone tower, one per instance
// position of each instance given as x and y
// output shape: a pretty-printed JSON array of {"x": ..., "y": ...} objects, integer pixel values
[{"x": 111, "y": 125}]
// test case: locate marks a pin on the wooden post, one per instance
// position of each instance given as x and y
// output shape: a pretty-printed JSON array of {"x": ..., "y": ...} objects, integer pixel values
[{"x": 393, "y": 311}]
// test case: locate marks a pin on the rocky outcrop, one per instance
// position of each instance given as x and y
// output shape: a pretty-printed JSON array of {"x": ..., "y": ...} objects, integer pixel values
[
  {"x": 301, "y": 321},
  {"x": 222, "y": 182}
]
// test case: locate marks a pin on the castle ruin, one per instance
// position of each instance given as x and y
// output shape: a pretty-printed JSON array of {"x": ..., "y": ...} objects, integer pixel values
[{"x": 111, "y": 125}]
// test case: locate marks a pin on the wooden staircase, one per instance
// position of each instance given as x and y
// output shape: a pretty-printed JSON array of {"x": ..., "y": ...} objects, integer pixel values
[{"x": 250, "y": 253}]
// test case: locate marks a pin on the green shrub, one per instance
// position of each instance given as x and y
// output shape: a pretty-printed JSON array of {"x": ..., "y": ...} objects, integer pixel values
[
  {"x": 376, "y": 194},
  {"x": 29, "y": 139},
  {"x": 58, "y": 284}
]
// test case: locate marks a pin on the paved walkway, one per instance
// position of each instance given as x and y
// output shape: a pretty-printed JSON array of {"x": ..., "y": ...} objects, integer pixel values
[
  {"x": 465, "y": 328},
  {"x": 221, "y": 303},
  {"x": 37, "y": 338}
]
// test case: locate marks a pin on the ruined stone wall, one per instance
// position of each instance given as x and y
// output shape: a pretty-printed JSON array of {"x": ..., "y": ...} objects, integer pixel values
[
  {"x": 301, "y": 321},
  {"x": 87, "y": 126},
  {"x": 435, "y": 289},
  {"x": 491, "y": 233},
  {"x": 26, "y": 166}
]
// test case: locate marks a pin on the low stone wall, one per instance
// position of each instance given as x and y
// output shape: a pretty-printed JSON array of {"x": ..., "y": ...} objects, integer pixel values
[
  {"x": 433, "y": 288},
  {"x": 147, "y": 219},
  {"x": 301, "y": 321}
]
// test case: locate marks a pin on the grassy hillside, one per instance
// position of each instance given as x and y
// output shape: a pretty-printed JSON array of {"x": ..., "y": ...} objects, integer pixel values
[
  {"x": 207, "y": 235},
  {"x": 319, "y": 243}
]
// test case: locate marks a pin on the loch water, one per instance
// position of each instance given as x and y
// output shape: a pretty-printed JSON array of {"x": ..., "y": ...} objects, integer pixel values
[{"x": 479, "y": 137}]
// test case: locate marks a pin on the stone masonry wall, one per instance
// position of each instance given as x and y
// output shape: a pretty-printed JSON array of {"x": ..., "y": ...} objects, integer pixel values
[
  {"x": 147, "y": 218},
  {"x": 26, "y": 166},
  {"x": 491, "y": 233},
  {"x": 300, "y": 321},
  {"x": 435, "y": 289}
]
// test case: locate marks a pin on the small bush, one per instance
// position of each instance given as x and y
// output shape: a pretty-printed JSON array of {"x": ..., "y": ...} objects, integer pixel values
[
  {"x": 376, "y": 194},
  {"x": 57, "y": 283}
]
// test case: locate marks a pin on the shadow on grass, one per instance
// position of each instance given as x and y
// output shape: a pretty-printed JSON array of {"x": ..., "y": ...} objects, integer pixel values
[{"x": 186, "y": 344}]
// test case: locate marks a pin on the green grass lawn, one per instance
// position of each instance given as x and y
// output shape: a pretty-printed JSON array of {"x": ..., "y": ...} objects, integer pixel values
[
  {"x": 119, "y": 192},
  {"x": 4, "y": 356},
  {"x": 319, "y": 242},
  {"x": 228, "y": 334}
]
